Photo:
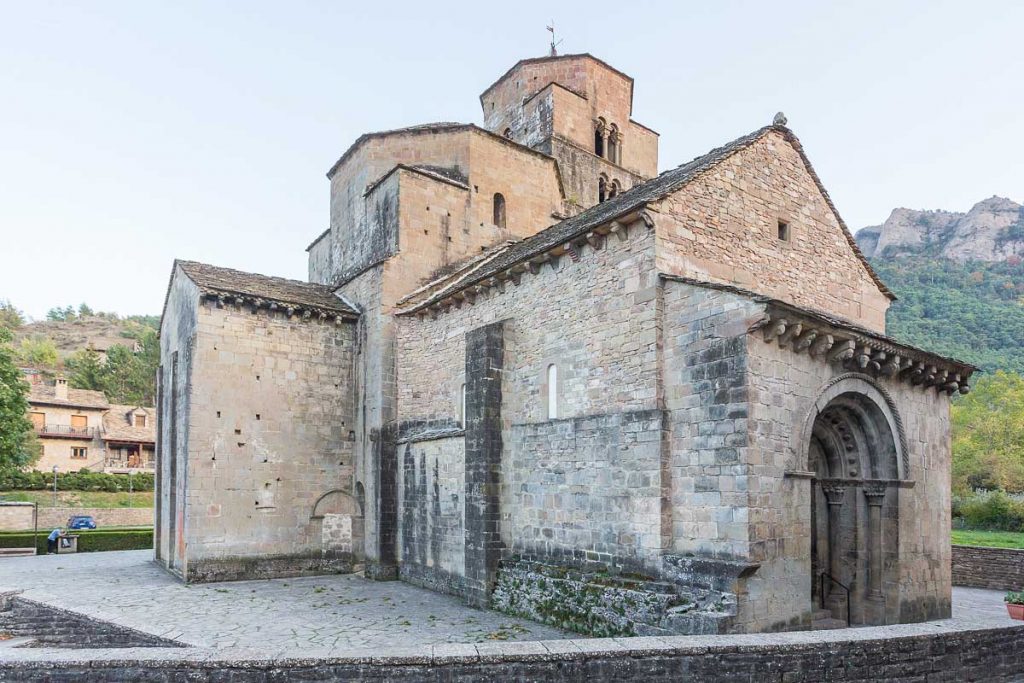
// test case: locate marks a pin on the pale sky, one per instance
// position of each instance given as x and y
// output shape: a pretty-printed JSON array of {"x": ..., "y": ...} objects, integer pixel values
[{"x": 133, "y": 132}]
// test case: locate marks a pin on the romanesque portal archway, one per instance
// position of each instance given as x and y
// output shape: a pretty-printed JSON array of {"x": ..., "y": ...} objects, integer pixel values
[{"x": 855, "y": 454}]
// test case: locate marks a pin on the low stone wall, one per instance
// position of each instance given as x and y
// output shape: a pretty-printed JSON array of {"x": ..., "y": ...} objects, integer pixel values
[
  {"x": 994, "y": 568},
  {"x": 16, "y": 516},
  {"x": 53, "y": 517},
  {"x": 991, "y": 655}
]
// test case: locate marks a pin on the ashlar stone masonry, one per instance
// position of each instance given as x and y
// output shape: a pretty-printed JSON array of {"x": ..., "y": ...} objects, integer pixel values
[{"x": 529, "y": 371}]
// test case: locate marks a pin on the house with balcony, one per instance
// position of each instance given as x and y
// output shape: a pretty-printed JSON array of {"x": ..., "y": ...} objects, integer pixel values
[
  {"x": 68, "y": 423},
  {"x": 79, "y": 429},
  {"x": 129, "y": 437}
]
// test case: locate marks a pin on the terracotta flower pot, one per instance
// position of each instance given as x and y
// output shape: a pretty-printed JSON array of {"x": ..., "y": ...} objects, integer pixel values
[{"x": 1016, "y": 611}]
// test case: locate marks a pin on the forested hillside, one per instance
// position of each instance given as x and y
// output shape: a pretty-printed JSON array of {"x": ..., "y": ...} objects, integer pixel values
[{"x": 971, "y": 310}]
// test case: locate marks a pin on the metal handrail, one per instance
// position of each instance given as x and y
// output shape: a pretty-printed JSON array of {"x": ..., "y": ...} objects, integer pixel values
[
  {"x": 65, "y": 430},
  {"x": 821, "y": 592}
]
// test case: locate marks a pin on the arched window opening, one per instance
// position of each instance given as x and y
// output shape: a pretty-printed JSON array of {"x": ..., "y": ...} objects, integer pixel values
[
  {"x": 602, "y": 189},
  {"x": 508, "y": 133},
  {"x": 462, "y": 405},
  {"x": 499, "y": 210},
  {"x": 552, "y": 392},
  {"x": 613, "y": 143},
  {"x": 614, "y": 189},
  {"x": 599, "y": 134}
]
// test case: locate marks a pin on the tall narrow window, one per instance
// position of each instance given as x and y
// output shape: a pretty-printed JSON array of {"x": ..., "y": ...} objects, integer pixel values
[
  {"x": 599, "y": 133},
  {"x": 783, "y": 232},
  {"x": 613, "y": 189},
  {"x": 499, "y": 210},
  {"x": 613, "y": 144},
  {"x": 462, "y": 405},
  {"x": 602, "y": 189},
  {"x": 552, "y": 391}
]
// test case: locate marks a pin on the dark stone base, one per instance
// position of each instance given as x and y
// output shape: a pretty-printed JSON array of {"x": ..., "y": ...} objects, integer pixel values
[
  {"x": 434, "y": 579},
  {"x": 378, "y": 571},
  {"x": 268, "y": 567},
  {"x": 601, "y": 604}
]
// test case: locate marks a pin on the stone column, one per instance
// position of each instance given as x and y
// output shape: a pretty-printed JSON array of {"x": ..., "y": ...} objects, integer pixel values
[
  {"x": 835, "y": 494},
  {"x": 875, "y": 494}
]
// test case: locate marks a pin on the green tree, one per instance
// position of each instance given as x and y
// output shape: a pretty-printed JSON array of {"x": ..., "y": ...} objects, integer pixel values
[
  {"x": 988, "y": 435},
  {"x": 18, "y": 447},
  {"x": 86, "y": 370},
  {"x": 38, "y": 351},
  {"x": 84, "y": 310},
  {"x": 10, "y": 317}
]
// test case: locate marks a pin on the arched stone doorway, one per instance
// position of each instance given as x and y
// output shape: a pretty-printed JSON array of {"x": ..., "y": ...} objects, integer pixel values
[{"x": 855, "y": 451}]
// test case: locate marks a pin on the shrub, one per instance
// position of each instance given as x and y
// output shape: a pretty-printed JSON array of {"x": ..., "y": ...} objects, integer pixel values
[
  {"x": 989, "y": 510},
  {"x": 16, "y": 480},
  {"x": 88, "y": 541}
]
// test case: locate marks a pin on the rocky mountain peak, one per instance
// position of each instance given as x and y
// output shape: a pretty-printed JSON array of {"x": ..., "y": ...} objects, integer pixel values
[{"x": 993, "y": 230}]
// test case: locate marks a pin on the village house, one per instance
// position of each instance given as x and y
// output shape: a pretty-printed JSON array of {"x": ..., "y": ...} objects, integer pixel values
[
  {"x": 529, "y": 370},
  {"x": 78, "y": 429}
]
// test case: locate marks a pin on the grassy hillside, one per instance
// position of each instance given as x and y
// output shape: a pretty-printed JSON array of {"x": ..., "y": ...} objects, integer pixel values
[{"x": 973, "y": 311}]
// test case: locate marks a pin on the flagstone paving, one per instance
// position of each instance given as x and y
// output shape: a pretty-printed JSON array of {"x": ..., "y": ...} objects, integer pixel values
[{"x": 322, "y": 613}]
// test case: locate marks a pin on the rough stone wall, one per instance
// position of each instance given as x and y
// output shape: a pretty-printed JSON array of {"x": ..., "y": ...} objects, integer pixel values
[
  {"x": 581, "y": 169},
  {"x": 365, "y": 228},
  {"x": 596, "y": 321},
  {"x": 271, "y": 432},
  {"x": 177, "y": 340},
  {"x": 376, "y": 455},
  {"x": 706, "y": 398},
  {"x": 723, "y": 227},
  {"x": 431, "y": 537},
  {"x": 783, "y": 387},
  {"x": 993, "y": 568},
  {"x": 589, "y": 89}
]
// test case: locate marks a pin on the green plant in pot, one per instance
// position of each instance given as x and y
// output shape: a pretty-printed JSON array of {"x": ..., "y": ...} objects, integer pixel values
[{"x": 1015, "y": 604}]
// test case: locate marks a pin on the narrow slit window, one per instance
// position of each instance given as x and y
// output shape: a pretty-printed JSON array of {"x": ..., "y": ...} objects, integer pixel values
[
  {"x": 783, "y": 231},
  {"x": 462, "y": 405},
  {"x": 499, "y": 209},
  {"x": 552, "y": 392}
]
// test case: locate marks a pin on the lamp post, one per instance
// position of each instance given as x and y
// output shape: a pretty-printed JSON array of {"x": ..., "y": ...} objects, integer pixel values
[{"x": 54, "y": 486}]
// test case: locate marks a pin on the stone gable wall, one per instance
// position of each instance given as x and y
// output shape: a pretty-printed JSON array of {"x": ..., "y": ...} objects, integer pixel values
[
  {"x": 271, "y": 431},
  {"x": 723, "y": 227}
]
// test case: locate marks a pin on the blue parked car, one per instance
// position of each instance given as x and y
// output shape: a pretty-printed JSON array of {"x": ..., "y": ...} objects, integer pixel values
[{"x": 81, "y": 522}]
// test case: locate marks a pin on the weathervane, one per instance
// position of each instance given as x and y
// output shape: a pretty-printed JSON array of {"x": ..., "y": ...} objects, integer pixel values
[{"x": 554, "y": 45}]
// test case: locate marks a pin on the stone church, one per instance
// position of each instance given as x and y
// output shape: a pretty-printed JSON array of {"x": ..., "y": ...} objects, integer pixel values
[{"x": 530, "y": 371}]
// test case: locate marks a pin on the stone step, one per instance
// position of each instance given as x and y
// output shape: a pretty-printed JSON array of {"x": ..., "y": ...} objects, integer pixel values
[{"x": 827, "y": 624}]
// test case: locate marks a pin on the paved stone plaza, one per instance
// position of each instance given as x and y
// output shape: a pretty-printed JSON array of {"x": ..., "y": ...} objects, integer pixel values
[
  {"x": 332, "y": 615},
  {"x": 317, "y": 614}
]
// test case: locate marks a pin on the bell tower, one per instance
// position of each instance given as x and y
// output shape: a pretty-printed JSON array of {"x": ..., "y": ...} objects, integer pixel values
[{"x": 577, "y": 109}]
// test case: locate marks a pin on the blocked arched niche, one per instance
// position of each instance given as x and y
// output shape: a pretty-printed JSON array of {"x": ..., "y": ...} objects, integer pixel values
[
  {"x": 335, "y": 502},
  {"x": 865, "y": 389}
]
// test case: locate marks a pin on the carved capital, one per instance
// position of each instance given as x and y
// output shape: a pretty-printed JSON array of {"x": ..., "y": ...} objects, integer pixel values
[
  {"x": 834, "y": 492},
  {"x": 875, "y": 492}
]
